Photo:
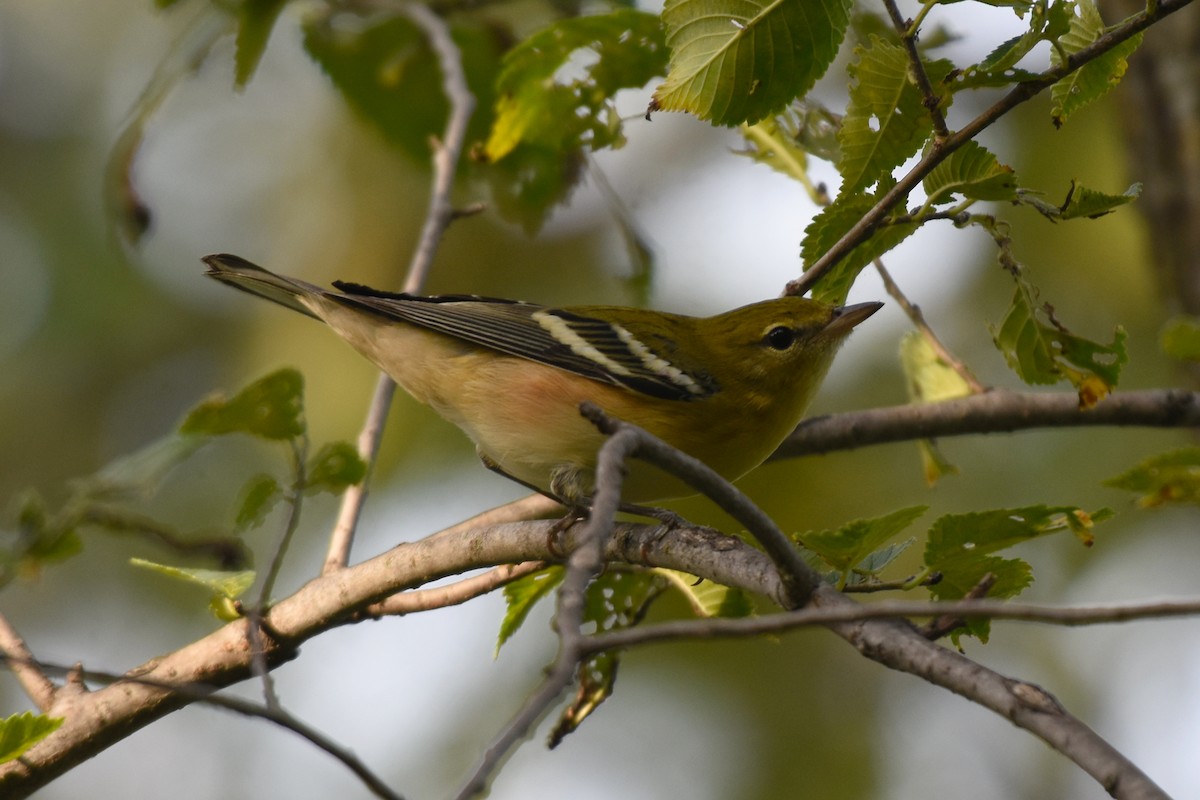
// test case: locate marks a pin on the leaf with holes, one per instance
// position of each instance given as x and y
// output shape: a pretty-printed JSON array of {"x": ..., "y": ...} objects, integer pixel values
[
  {"x": 845, "y": 547},
  {"x": 271, "y": 408},
  {"x": 1095, "y": 78},
  {"x": 1046, "y": 352},
  {"x": 886, "y": 121}
]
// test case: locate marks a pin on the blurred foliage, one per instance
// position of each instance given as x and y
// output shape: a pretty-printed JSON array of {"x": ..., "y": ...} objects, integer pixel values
[{"x": 115, "y": 353}]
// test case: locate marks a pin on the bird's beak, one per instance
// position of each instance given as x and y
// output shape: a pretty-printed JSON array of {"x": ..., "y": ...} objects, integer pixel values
[{"x": 846, "y": 317}]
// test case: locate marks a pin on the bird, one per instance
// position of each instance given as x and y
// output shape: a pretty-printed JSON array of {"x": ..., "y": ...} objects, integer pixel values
[{"x": 726, "y": 389}]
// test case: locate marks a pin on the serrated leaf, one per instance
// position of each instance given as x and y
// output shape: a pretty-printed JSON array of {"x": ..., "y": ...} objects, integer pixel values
[
  {"x": 258, "y": 497},
  {"x": 827, "y": 227},
  {"x": 707, "y": 598},
  {"x": 845, "y": 547},
  {"x": 1172, "y": 477},
  {"x": 521, "y": 596},
  {"x": 20, "y": 732},
  {"x": 271, "y": 408},
  {"x": 220, "y": 583},
  {"x": 735, "y": 61},
  {"x": 1095, "y": 78},
  {"x": 617, "y": 599},
  {"x": 256, "y": 19},
  {"x": 1011, "y": 577},
  {"x": 537, "y": 107},
  {"x": 886, "y": 121},
  {"x": 1180, "y": 338},
  {"x": 972, "y": 172},
  {"x": 385, "y": 70},
  {"x": 1084, "y": 202},
  {"x": 959, "y": 536},
  {"x": 335, "y": 467},
  {"x": 1045, "y": 353},
  {"x": 960, "y": 547}
]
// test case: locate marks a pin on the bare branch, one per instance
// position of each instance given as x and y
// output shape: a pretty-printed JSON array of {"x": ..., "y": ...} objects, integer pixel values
[
  {"x": 456, "y": 593},
  {"x": 798, "y": 577},
  {"x": 37, "y": 685},
  {"x": 583, "y": 564},
  {"x": 808, "y": 617},
  {"x": 441, "y": 213},
  {"x": 917, "y": 318},
  {"x": 995, "y": 411}
]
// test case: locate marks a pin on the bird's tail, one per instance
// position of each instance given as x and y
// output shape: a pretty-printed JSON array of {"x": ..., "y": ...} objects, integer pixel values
[{"x": 241, "y": 274}]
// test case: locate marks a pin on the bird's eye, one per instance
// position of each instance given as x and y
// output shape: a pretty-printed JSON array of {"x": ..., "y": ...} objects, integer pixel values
[{"x": 780, "y": 337}]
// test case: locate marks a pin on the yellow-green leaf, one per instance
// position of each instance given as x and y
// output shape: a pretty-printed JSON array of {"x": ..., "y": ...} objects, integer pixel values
[
  {"x": 271, "y": 408},
  {"x": 20, "y": 732},
  {"x": 1168, "y": 478}
]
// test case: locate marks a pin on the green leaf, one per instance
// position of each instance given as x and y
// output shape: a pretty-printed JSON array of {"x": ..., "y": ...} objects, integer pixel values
[
  {"x": 531, "y": 181},
  {"x": 1095, "y": 78},
  {"x": 972, "y": 172},
  {"x": 845, "y": 547},
  {"x": 385, "y": 70},
  {"x": 537, "y": 107},
  {"x": 959, "y": 536},
  {"x": 335, "y": 467},
  {"x": 271, "y": 408},
  {"x": 256, "y": 19},
  {"x": 1084, "y": 202},
  {"x": 224, "y": 586},
  {"x": 140, "y": 473},
  {"x": 709, "y": 599},
  {"x": 875, "y": 562},
  {"x": 1012, "y": 576},
  {"x": 1168, "y": 478},
  {"x": 735, "y": 61},
  {"x": 20, "y": 732},
  {"x": 258, "y": 497},
  {"x": 1180, "y": 338},
  {"x": 618, "y": 598},
  {"x": 886, "y": 121},
  {"x": 522, "y": 595},
  {"x": 1046, "y": 352},
  {"x": 827, "y": 227},
  {"x": 960, "y": 547}
]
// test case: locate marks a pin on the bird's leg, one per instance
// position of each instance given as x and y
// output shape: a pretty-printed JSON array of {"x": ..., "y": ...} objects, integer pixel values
[{"x": 575, "y": 512}]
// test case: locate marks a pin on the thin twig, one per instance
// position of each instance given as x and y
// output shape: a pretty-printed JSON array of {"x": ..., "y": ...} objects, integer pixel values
[
  {"x": 811, "y": 617},
  {"x": 994, "y": 411},
  {"x": 456, "y": 593},
  {"x": 913, "y": 312},
  {"x": 930, "y": 99},
  {"x": 441, "y": 213},
  {"x": 25, "y": 668},
  {"x": 583, "y": 564},
  {"x": 798, "y": 577},
  {"x": 1019, "y": 94},
  {"x": 204, "y": 694}
]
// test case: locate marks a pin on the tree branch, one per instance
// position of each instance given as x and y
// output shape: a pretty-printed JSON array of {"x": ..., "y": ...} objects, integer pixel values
[
  {"x": 441, "y": 213},
  {"x": 995, "y": 411},
  {"x": 37, "y": 684}
]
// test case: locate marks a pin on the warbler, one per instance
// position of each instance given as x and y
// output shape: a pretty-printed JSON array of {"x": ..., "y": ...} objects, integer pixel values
[{"x": 726, "y": 389}]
